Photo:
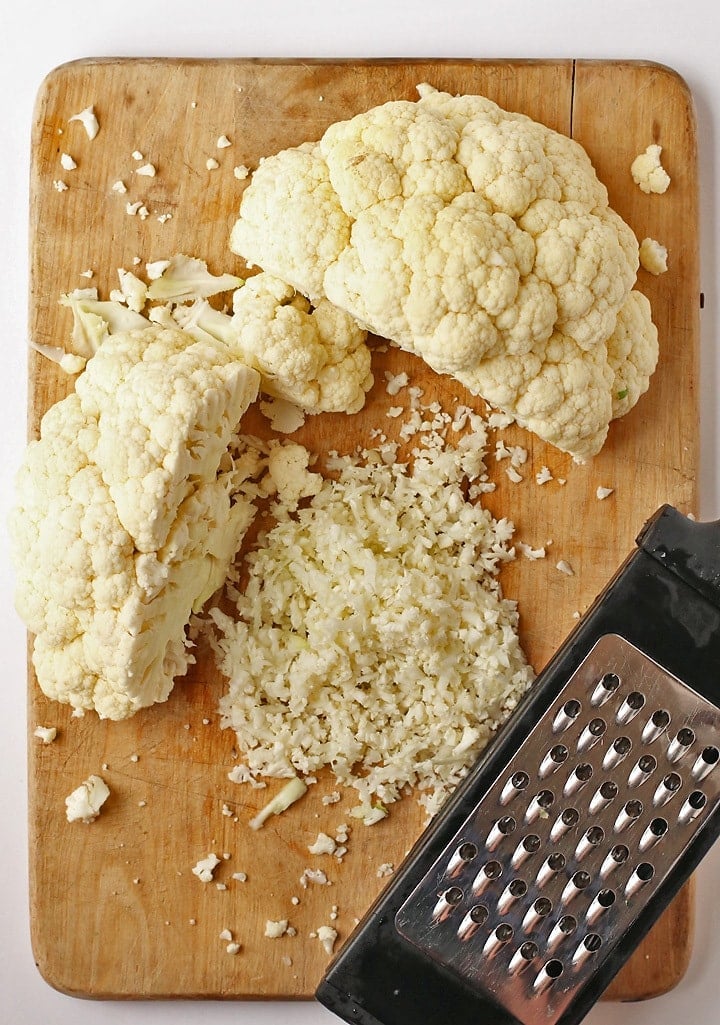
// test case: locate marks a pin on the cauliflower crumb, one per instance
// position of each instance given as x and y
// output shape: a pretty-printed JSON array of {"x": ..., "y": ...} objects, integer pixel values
[
  {"x": 386, "y": 869},
  {"x": 565, "y": 568},
  {"x": 324, "y": 844},
  {"x": 313, "y": 875},
  {"x": 395, "y": 382},
  {"x": 529, "y": 552},
  {"x": 119, "y": 186},
  {"x": 603, "y": 493},
  {"x": 45, "y": 733},
  {"x": 653, "y": 256},
  {"x": 147, "y": 170},
  {"x": 327, "y": 936},
  {"x": 242, "y": 774},
  {"x": 274, "y": 930},
  {"x": 543, "y": 476},
  {"x": 288, "y": 469},
  {"x": 240, "y": 877},
  {"x": 226, "y": 935},
  {"x": 85, "y": 802},
  {"x": 67, "y": 163},
  {"x": 156, "y": 268},
  {"x": 137, "y": 155},
  {"x": 89, "y": 273},
  {"x": 211, "y": 164},
  {"x": 60, "y": 186},
  {"x": 233, "y": 948},
  {"x": 394, "y": 412},
  {"x": 205, "y": 867},
  {"x": 332, "y": 798},
  {"x": 89, "y": 121},
  {"x": 132, "y": 208},
  {"x": 648, "y": 173},
  {"x": 223, "y": 142},
  {"x": 513, "y": 475},
  {"x": 241, "y": 172},
  {"x": 162, "y": 218}
]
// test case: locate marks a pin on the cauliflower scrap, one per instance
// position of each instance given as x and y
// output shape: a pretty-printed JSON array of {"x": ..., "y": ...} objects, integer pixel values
[
  {"x": 127, "y": 518},
  {"x": 653, "y": 256},
  {"x": 476, "y": 238},
  {"x": 648, "y": 173}
]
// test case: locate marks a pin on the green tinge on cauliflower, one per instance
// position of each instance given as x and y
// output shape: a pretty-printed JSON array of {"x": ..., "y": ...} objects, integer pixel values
[
  {"x": 476, "y": 238},
  {"x": 127, "y": 517}
]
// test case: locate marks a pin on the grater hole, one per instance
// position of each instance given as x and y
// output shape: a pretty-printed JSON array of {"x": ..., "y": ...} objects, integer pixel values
[
  {"x": 592, "y": 733},
  {"x": 539, "y": 805},
  {"x": 680, "y": 744},
  {"x": 498, "y": 938},
  {"x": 605, "y": 793},
  {"x": 552, "y": 761},
  {"x": 693, "y": 806},
  {"x": 600, "y": 904},
  {"x": 605, "y": 688},
  {"x": 467, "y": 851},
  {"x": 629, "y": 814},
  {"x": 578, "y": 778},
  {"x": 667, "y": 789},
  {"x": 522, "y": 957},
  {"x": 578, "y": 882},
  {"x": 588, "y": 946},
  {"x": 656, "y": 724},
  {"x": 563, "y": 928},
  {"x": 490, "y": 871},
  {"x": 630, "y": 707},
  {"x": 567, "y": 819},
  {"x": 654, "y": 832},
  {"x": 501, "y": 829},
  {"x": 706, "y": 762},
  {"x": 551, "y": 866},
  {"x": 589, "y": 841},
  {"x": 566, "y": 716},
  {"x": 447, "y": 901},
  {"x": 515, "y": 889},
  {"x": 618, "y": 750},
  {"x": 476, "y": 917},
  {"x": 548, "y": 974},
  {"x": 464, "y": 854},
  {"x": 640, "y": 877},
  {"x": 515, "y": 785},
  {"x": 643, "y": 768},
  {"x": 528, "y": 846}
]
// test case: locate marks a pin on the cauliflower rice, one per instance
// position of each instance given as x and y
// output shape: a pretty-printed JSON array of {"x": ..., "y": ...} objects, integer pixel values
[{"x": 371, "y": 635}]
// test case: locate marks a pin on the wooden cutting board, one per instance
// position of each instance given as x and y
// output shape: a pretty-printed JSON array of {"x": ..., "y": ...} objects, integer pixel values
[{"x": 115, "y": 908}]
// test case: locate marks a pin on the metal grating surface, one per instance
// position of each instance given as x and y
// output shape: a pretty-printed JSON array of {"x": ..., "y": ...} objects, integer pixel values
[{"x": 573, "y": 837}]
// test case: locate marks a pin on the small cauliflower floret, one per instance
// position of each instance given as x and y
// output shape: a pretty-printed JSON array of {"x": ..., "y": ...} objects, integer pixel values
[
  {"x": 653, "y": 256},
  {"x": 126, "y": 518},
  {"x": 476, "y": 238},
  {"x": 648, "y": 173},
  {"x": 85, "y": 802},
  {"x": 316, "y": 358}
]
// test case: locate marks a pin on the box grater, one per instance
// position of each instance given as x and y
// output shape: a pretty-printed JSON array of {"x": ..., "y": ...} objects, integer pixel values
[{"x": 577, "y": 826}]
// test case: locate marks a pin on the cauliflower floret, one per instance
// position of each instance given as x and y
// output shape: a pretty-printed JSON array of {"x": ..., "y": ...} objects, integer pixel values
[
  {"x": 648, "y": 173},
  {"x": 316, "y": 358},
  {"x": 476, "y": 238},
  {"x": 632, "y": 353},
  {"x": 653, "y": 256},
  {"x": 123, "y": 528}
]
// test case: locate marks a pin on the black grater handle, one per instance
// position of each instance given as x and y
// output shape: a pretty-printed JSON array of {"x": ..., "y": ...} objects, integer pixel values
[{"x": 686, "y": 548}]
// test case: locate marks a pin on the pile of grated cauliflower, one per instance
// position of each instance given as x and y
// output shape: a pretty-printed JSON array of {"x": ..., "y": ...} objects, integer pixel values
[{"x": 370, "y": 634}]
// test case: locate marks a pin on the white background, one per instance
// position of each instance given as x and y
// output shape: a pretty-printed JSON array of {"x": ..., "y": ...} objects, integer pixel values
[{"x": 36, "y": 36}]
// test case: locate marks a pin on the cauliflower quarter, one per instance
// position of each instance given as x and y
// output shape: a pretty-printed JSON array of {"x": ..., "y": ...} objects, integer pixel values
[
  {"x": 476, "y": 238},
  {"x": 125, "y": 520}
]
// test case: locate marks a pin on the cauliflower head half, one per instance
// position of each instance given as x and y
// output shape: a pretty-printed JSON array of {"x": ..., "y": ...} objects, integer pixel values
[
  {"x": 476, "y": 238},
  {"x": 127, "y": 519}
]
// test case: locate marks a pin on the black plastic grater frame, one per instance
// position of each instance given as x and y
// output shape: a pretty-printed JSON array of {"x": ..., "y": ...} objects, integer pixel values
[{"x": 664, "y": 600}]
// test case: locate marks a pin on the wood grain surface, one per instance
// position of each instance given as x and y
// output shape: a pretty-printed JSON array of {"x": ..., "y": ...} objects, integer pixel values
[{"x": 115, "y": 908}]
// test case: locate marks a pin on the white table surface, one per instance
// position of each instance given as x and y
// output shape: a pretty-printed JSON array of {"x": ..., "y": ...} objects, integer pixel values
[{"x": 37, "y": 35}]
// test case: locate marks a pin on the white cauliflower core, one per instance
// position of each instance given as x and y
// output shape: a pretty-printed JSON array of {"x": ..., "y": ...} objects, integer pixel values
[
  {"x": 476, "y": 238},
  {"x": 371, "y": 635},
  {"x": 126, "y": 520}
]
